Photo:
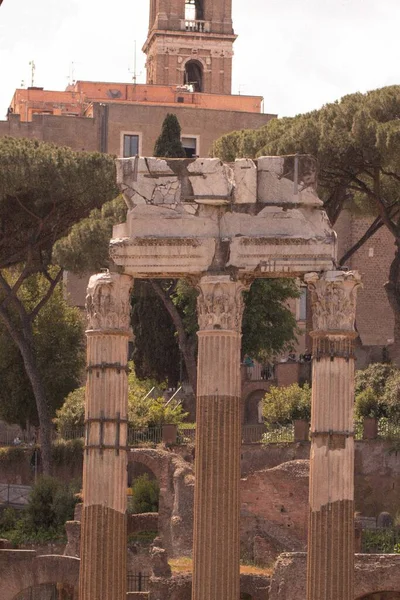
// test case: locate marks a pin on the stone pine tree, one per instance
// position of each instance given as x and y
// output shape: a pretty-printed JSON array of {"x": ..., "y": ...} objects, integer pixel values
[
  {"x": 357, "y": 143},
  {"x": 44, "y": 190},
  {"x": 169, "y": 143}
]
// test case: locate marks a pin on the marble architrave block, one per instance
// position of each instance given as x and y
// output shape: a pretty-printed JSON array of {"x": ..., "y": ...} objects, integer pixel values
[
  {"x": 287, "y": 179},
  {"x": 210, "y": 177},
  {"x": 245, "y": 172},
  {"x": 257, "y": 216}
]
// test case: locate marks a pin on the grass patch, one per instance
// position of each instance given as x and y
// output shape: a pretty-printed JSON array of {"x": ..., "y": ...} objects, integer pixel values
[{"x": 184, "y": 564}]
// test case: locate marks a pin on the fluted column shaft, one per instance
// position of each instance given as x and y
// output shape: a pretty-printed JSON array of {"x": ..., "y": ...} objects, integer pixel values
[
  {"x": 330, "y": 564},
  {"x": 103, "y": 533},
  {"x": 216, "y": 542}
]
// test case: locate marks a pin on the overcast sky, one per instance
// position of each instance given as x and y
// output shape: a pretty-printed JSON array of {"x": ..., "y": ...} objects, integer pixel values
[{"x": 298, "y": 54}]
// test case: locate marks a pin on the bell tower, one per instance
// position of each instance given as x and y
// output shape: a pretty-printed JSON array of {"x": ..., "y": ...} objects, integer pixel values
[{"x": 190, "y": 42}]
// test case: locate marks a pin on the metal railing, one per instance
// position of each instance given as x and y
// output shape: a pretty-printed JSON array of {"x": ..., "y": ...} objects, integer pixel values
[
  {"x": 138, "y": 581},
  {"x": 146, "y": 435},
  {"x": 279, "y": 435},
  {"x": 14, "y": 495},
  {"x": 259, "y": 372}
]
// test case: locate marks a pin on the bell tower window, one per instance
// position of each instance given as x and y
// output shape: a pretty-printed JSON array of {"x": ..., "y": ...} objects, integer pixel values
[
  {"x": 194, "y": 10},
  {"x": 194, "y": 75}
]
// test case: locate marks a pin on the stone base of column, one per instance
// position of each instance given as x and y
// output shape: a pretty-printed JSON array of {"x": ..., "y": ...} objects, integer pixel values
[
  {"x": 331, "y": 552},
  {"x": 103, "y": 554}
]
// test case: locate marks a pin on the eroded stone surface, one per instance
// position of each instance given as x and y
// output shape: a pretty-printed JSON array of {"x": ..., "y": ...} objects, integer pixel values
[{"x": 258, "y": 216}]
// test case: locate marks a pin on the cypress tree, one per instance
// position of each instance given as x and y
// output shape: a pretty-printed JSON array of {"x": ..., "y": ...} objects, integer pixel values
[{"x": 169, "y": 143}]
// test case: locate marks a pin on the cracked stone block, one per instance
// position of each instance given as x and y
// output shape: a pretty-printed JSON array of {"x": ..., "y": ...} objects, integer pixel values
[
  {"x": 245, "y": 172},
  {"x": 209, "y": 177},
  {"x": 147, "y": 181},
  {"x": 280, "y": 180}
]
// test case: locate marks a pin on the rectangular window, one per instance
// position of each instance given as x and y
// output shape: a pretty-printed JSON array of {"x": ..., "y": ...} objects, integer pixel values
[
  {"x": 190, "y": 146},
  {"x": 131, "y": 145}
]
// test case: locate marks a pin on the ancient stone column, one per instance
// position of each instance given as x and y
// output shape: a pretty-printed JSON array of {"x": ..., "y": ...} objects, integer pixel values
[
  {"x": 216, "y": 543},
  {"x": 103, "y": 535},
  {"x": 330, "y": 563}
]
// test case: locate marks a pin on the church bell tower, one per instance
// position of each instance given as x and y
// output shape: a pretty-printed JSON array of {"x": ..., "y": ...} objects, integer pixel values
[{"x": 190, "y": 42}]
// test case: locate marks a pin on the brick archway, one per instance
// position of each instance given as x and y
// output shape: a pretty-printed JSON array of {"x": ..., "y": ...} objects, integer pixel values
[
  {"x": 22, "y": 569},
  {"x": 176, "y": 480}
]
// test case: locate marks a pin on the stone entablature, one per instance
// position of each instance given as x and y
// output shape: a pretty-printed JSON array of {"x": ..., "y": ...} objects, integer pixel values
[{"x": 189, "y": 216}]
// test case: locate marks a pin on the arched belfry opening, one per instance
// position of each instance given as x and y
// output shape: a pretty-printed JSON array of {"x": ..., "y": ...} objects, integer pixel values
[
  {"x": 194, "y": 75},
  {"x": 194, "y": 10}
]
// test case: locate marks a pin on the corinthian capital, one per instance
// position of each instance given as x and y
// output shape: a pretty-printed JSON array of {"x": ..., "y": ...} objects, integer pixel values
[
  {"x": 108, "y": 302},
  {"x": 220, "y": 303},
  {"x": 333, "y": 299}
]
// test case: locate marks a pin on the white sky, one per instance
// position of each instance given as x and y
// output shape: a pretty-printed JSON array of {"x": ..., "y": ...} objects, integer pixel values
[{"x": 298, "y": 54}]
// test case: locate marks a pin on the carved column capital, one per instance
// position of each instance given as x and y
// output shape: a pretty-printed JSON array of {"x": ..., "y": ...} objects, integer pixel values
[
  {"x": 333, "y": 300},
  {"x": 108, "y": 302},
  {"x": 220, "y": 303}
]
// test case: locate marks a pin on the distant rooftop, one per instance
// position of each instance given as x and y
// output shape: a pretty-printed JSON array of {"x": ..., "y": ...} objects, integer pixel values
[{"x": 78, "y": 97}]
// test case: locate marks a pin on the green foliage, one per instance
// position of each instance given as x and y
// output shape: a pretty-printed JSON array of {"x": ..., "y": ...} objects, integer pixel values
[
  {"x": 282, "y": 405},
  {"x": 71, "y": 414},
  {"x": 380, "y": 541},
  {"x": 269, "y": 327},
  {"x": 142, "y": 412},
  {"x": 50, "y": 504},
  {"x": 391, "y": 397},
  {"x": 8, "y": 519},
  {"x": 85, "y": 249},
  {"x": 68, "y": 452},
  {"x": 12, "y": 456},
  {"x": 169, "y": 144},
  {"x": 347, "y": 137},
  {"x": 377, "y": 391},
  {"x": 58, "y": 339},
  {"x": 368, "y": 404},
  {"x": 44, "y": 190},
  {"x": 156, "y": 351},
  {"x": 145, "y": 494},
  {"x": 143, "y": 538},
  {"x": 375, "y": 377}
]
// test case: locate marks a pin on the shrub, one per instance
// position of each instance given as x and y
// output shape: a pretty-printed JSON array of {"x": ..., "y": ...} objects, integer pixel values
[
  {"x": 12, "y": 456},
  {"x": 145, "y": 493},
  {"x": 50, "y": 504},
  {"x": 8, "y": 519},
  {"x": 67, "y": 452},
  {"x": 282, "y": 405},
  {"x": 143, "y": 410},
  {"x": 375, "y": 376},
  {"x": 391, "y": 396},
  {"x": 368, "y": 404},
  {"x": 71, "y": 415}
]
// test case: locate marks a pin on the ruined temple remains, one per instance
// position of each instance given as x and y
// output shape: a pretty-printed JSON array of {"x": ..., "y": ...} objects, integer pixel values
[{"x": 221, "y": 226}]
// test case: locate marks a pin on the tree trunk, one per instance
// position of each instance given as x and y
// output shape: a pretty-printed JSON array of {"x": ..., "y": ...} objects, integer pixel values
[
  {"x": 185, "y": 345},
  {"x": 41, "y": 406},
  {"x": 392, "y": 288},
  {"x": 24, "y": 341}
]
